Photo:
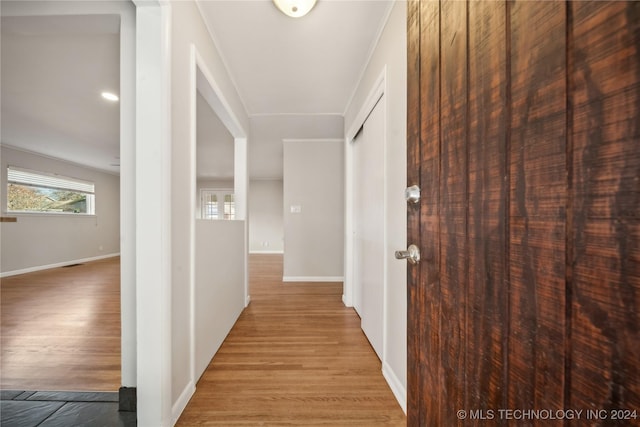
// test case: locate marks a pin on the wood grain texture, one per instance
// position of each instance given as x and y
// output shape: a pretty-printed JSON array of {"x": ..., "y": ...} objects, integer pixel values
[
  {"x": 415, "y": 317},
  {"x": 535, "y": 296},
  {"x": 60, "y": 328},
  {"x": 605, "y": 78},
  {"x": 427, "y": 306},
  {"x": 296, "y": 356},
  {"x": 454, "y": 258},
  {"x": 538, "y": 201},
  {"x": 487, "y": 300}
]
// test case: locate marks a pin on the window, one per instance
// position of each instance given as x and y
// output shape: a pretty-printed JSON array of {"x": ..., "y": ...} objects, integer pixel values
[
  {"x": 31, "y": 191},
  {"x": 229, "y": 207},
  {"x": 210, "y": 206},
  {"x": 217, "y": 204}
]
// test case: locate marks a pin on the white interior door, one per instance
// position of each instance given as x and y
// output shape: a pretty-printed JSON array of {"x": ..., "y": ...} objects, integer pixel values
[{"x": 369, "y": 226}]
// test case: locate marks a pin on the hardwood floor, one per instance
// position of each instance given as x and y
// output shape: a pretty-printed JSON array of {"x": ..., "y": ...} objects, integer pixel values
[
  {"x": 60, "y": 328},
  {"x": 296, "y": 356}
]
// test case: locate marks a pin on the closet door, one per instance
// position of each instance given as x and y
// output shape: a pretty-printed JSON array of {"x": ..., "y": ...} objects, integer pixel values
[{"x": 369, "y": 226}]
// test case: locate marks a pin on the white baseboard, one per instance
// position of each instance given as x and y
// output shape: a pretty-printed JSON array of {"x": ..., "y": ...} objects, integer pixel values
[
  {"x": 267, "y": 252},
  {"x": 346, "y": 301},
  {"x": 313, "y": 279},
  {"x": 247, "y": 300},
  {"x": 399, "y": 391},
  {"x": 56, "y": 265},
  {"x": 182, "y": 402}
]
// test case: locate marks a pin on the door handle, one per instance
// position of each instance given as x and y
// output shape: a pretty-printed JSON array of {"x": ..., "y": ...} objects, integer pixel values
[
  {"x": 412, "y": 254},
  {"x": 412, "y": 194}
]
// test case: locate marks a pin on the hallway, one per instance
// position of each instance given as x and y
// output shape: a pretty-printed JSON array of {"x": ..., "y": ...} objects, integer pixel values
[{"x": 296, "y": 356}]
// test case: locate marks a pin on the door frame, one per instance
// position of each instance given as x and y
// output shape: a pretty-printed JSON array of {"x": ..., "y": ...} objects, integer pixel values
[
  {"x": 127, "y": 105},
  {"x": 153, "y": 194},
  {"x": 377, "y": 91},
  {"x": 376, "y": 95},
  {"x": 202, "y": 78}
]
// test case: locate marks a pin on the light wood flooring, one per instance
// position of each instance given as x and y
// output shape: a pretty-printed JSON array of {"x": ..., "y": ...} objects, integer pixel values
[
  {"x": 60, "y": 328},
  {"x": 296, "y": 356}
]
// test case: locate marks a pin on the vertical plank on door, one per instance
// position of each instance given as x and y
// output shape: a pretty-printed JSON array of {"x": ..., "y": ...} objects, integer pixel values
[
  {"x": 605, "y": 81},
  {"x": 415, "y": 307},
  {"x": 487, "y": 297},
  {"x": 453, "y": 205},
  {"x": 537, "y": 329},
  {"x": 430, "y": 362}
]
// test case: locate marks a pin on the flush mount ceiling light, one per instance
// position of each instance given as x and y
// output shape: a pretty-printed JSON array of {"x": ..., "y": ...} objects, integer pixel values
[
  {"x": 110, "y": 96},
  {"x": 295, "y": 8}
]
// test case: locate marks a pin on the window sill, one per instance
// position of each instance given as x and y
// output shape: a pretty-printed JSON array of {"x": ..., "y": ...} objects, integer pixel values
[{"x": 47, "y": 214}]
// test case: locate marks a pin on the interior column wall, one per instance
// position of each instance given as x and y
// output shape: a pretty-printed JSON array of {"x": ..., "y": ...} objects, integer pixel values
[{"x": 189, "y": 37}]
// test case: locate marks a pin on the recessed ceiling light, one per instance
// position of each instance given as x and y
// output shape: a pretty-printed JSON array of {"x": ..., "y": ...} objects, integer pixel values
[
  {"x": 295, "y": 8},
  {"x": 110, "y": 96}
]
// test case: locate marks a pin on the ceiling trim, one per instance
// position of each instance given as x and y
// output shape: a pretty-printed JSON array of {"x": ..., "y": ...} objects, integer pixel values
[
  {"x": 213, "y": 95},
  {"x": 372, "y": 50},
  {"x": 58, "y": 159},
  {"x": 294, "y": 114},
  {"x": 376, "y": 92},
  {"x": 223, "y": 59},
  {"x": 266, "y": 179},
  {"x": 313, "y": 140}
]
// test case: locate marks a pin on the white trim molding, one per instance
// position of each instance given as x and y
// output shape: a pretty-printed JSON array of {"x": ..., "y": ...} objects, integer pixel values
[
  {"x": 399, "y": 391},
  {"x": 180, "y": 405},
  {"x": 377, "y": 91},
  {"x": 313, "y": 278},
  {"x": 372, "y": 50},
  {"x": 153, "y": 233},
  {"x": 202, "y": 81},
  {"x": 56, "y": 265},
  {"x": 328, "y": 140}
]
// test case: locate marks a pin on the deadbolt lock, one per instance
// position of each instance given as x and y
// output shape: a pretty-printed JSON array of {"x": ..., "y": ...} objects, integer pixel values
[{"x": 412, "y": 254}]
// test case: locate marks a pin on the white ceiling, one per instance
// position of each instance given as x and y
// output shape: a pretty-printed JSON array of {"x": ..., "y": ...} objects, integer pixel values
[
  {"x": 284, "y": 65},
  {"x": 53, "y": 71},
  {"x": 294, "y": 76}
]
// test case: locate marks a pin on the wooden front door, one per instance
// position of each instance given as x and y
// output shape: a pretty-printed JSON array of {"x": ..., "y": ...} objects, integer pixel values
[{"x": 524, "y": 136}]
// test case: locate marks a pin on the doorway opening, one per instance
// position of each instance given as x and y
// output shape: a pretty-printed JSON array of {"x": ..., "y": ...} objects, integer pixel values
[
  {"x": 56, "y": 61},
  {"x": 218, "y": 229}
]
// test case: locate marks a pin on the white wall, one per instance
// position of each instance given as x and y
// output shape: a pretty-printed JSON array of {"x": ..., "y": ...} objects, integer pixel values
[
  {"x": 39, "y": 241},
  {"x": 390, "y": 53},
  {"x": 314, "y": 237},
  {"x": 187, "y": 30},
  {"x": 266, "y": 229},
  {"x": 220, "y": 249}
]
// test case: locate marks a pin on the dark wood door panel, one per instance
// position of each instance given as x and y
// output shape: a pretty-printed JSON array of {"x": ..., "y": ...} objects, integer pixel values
[
  {"x": 605, "y": 81},
  {"x": 430, "y": 370},
  {"x": 525, "y": 118},
  {"x": 415, "y": 300},
  {"x": 537, "y": 324},
  {"x": 487, "y": 207},
  {"x": 453, "y": 206}
]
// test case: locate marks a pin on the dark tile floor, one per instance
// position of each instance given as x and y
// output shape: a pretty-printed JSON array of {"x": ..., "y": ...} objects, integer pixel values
[{"x": 20, "y": 408}]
